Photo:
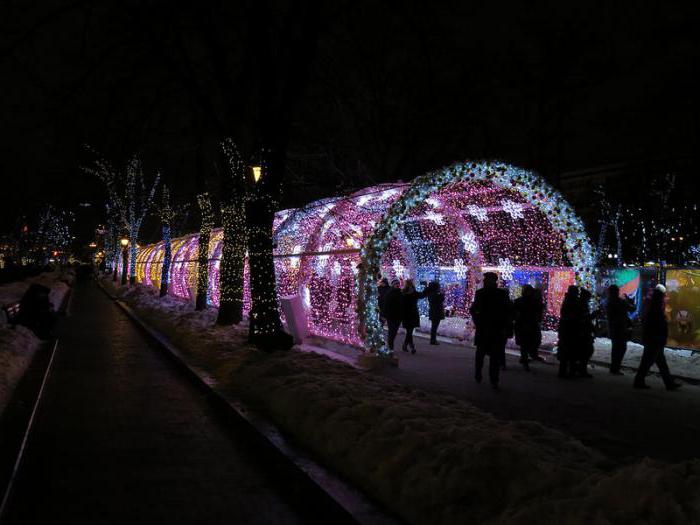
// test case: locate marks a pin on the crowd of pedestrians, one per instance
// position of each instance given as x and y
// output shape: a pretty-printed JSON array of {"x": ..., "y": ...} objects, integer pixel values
[{"x": 496, "y": 319}]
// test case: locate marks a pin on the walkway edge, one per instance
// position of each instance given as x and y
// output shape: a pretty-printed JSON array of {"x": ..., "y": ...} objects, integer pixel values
[{"x": 345, "y": 496}]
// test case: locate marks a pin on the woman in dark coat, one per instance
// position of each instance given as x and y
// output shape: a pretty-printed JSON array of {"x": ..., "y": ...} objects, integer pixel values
[
  {"x": 586, "y": 339},
  {"x": 410, "y": 317},
  {"x": 654, "y": 336},
  {"x": 436, "y": 309},
  {"x": 529, "y": 310},
  {"x": 569, "y": 330}
]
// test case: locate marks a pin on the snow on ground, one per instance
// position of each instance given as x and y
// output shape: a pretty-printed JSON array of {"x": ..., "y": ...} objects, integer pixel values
[
  {"x": 58, "y": 282},
  {"x": 18, "y": 345},
  {"x": 684, "y": 363},
  {"x": 429, "y": 457}
]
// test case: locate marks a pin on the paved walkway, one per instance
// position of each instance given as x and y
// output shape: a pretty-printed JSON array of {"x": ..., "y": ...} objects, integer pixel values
[
  {"x": 121, "y": 437},
  {"x": 604, "y": 412}
]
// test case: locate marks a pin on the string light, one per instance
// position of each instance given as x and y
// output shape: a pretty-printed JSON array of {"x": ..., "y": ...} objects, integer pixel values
[
  {"x": 494, "y": 217},
  {"x": 205, "y": 229},
  {"x": 235, "y": 238}
]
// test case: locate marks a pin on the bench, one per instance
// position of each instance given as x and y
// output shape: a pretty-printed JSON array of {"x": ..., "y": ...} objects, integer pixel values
[{"x": 11, "y": 312}]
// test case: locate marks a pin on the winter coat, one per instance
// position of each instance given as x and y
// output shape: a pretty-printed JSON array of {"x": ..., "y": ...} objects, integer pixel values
[
  {"x": 492, "y": 314},
  {"x": 436, "y": 306},
  {"x": 586, "y": 337},
  {"x": 619, "y": 323},
  {"x": 654, "y": 328},
  {"x": 528, "y": 319},
  {"x": 569, "y": 328},
  {"x": 392, "y": 305},
  {"x": 409, "y": 308},
  {"x": 382, "y": 292}
]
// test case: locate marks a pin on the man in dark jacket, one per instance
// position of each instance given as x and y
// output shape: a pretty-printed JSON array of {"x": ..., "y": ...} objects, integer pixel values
[
  {"x": 618, "y": 310},
  {"x": 436, "y": 309},
  {"x": 393, "y": 311},
  {"x": 529, "y": 311},
  {"x": 492, "y": 314},
  {"x": 654, "y": 338}
]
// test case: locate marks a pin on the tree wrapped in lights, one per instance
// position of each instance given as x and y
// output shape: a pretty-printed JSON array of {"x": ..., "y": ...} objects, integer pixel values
[
  {"x": 111, "y": 239},
  {"x": 205, "y": 208},
  {"x": 265, "y": 325},
  {"x": 166, "y": 217},
  {"x": 54, "y": 233},
  {"x": 234, "y": 237},
  {"x": 129, "y": 197}
]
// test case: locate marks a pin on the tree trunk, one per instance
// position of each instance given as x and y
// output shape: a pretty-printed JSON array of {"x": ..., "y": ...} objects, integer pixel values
[
  {"x": 232, "y": 172},
  {"x": 232, "y": 261},
  {"x": 132, "y": 257},
  {"x": 203, "y": 256},
  {"x": 264, "y": 314},
  {"x": 167, "y": 256}
]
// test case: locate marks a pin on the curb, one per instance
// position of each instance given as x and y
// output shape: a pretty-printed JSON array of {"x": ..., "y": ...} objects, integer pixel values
[{"x": 346, "y": 498}]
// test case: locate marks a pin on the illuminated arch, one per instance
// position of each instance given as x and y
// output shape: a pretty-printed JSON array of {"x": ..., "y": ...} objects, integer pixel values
[
  {"x": 531, "y": 187},
  {"x": 450, "y": 225}
]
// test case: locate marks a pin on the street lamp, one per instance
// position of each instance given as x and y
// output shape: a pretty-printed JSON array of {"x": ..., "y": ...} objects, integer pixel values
[
  {"x": 125, "y": 258},
  {"x": 257, "y": 172}
]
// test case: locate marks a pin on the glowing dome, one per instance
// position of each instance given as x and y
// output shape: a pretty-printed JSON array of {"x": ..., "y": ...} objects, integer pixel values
[{"x": 450, "y": 225}]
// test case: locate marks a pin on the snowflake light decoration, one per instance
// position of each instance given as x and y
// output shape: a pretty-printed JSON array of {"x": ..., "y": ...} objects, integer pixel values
[
  {"x": 460, "y": 269},
  {"x": 478, "y": 212},
  {"x": 469, "y": 242},
  {"x": 514, "y": 209}
]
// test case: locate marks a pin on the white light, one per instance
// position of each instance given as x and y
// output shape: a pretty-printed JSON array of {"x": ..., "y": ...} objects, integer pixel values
[
  {"x": 460, "y": 269},
  {"x": 505, "y": 268},
  {"x": 514, "y": 209},
  {"x": 469, "y": 241},
  {"x": 437, "y": 218},
  {"x": 478, "y": 212},
  {"x": 399, "y": 269}
]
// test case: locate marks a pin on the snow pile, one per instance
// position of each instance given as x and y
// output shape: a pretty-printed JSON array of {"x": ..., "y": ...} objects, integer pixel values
[
  {"x": 186, "y": 327},
  {"x": 429, "y": 457},
  {"x": 59, "y": 282},
  {"x": 19, "y": 344},
  {"x": 17, "y": 348},
  {"x": 685, "y": 363}
]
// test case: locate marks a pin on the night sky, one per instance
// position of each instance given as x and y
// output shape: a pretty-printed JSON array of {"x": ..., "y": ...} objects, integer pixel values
[{"x": 394, "y": 90}]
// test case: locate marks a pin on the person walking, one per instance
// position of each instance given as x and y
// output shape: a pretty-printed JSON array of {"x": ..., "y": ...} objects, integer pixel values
[
  {"x": 586, "y": 338},
  {"x": 568, "y": 331},
  {"x": 492, "y": 314},
  {"x": 617, "y": 310},
  {"x": 393, "y": 312},
  {"x": 436, "y": 309},
  {"x": 528, "y": 309},
  {"x": 654, "y": 336},
  {"x": 410, "y": 317}
]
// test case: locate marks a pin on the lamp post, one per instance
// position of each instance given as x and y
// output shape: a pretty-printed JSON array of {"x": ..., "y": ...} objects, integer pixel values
[
  {"x": 257, "y": 172},
  {"x": 125, "y": 258}
]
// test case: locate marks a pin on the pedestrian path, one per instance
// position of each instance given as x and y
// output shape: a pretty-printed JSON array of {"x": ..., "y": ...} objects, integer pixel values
[
  {"x": 604, "y": 412},
  {"x": 122, "y": 437}
]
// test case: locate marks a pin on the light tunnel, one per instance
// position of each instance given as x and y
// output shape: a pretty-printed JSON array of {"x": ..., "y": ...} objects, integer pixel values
[{"x": 450, "y": 225}]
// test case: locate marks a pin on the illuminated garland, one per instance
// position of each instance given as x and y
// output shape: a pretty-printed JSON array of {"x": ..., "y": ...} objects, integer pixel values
[
  {"x": 207, "y": 224},
  {"x": 264, "y": 315},
  {"x": 445, "y": 226},
  {"x": 166, "y": 216},
  {"x": 532, "y": 188},
  {"x": 233, "y": 251}
]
